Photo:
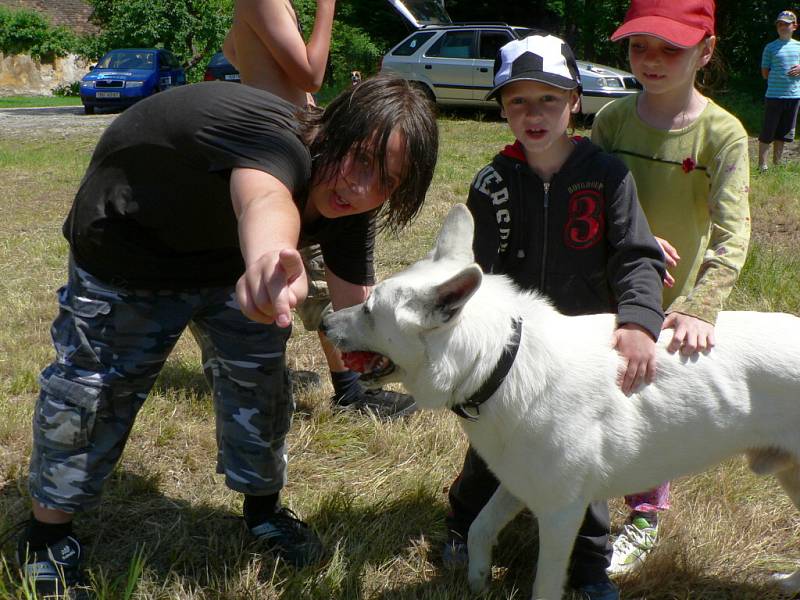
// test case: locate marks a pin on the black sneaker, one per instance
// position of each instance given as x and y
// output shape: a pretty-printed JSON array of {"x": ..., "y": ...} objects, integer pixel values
[
  {"x": 54, "y": 571},
  {"x": 289, "y": 538},
  {"x": 384, "y": 404},
  {"x": 302, "y": 381}
]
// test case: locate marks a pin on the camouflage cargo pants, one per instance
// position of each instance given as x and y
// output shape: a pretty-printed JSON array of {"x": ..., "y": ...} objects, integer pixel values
[{"x": 111, "y": 344}]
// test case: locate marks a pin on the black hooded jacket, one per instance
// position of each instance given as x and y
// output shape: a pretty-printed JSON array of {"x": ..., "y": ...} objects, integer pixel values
[{"x": 582, "y": 240}]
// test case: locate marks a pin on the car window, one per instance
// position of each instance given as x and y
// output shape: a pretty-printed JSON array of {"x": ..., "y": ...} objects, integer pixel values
[
  {"x": 170, "y": 60},
  {"x": 127, "y": 60},
  {"x": 454, "y": 44},
  {"x": 413, "y": 43},
  {"x": 491, "y": 42}
]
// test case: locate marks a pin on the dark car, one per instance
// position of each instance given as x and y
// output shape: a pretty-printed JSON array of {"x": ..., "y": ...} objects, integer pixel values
[
  {"x": 220, "y": 69},
  {"x": 125, "y": 76}
]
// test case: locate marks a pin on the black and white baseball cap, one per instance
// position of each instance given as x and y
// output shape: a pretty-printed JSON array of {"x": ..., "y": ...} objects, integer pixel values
[{"x": 538, "y": 57}]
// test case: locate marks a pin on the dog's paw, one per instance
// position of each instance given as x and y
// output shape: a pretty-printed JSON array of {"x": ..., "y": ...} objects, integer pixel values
[
  {"x": 478, "y": 577},
  {"x": 789, "y": 582},
  {"x": 478, "y": 583}
]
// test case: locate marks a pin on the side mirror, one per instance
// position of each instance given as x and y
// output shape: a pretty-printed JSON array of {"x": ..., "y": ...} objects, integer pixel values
[{"x": 92, "y": 67}]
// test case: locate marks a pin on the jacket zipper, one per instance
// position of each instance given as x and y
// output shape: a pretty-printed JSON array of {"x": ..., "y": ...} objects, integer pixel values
[{"x": 546, "y": 204}]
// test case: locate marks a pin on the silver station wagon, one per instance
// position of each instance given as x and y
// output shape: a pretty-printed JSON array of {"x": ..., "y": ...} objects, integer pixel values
[{"x": 454, "y": 62}]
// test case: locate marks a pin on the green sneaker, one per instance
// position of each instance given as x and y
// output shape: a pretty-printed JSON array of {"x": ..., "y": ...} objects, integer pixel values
[{"x": 633, "y": 545}]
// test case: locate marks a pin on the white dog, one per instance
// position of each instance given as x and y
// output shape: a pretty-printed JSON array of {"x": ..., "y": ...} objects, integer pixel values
[{"x": 557, "y": 431}]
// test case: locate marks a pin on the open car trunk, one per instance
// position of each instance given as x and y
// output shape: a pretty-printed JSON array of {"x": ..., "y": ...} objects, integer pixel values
[{"x": 420, "y": 13}]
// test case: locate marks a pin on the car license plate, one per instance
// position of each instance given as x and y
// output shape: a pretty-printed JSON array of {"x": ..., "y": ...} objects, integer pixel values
[
  {"x": 108, "y": 94},
  {"x": 232, "y": 77}
]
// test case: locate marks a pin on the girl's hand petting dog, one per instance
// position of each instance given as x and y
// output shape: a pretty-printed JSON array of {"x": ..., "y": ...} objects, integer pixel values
[
  {"x": 691, "y": 334},
  {"x": 638, "y": 349}
]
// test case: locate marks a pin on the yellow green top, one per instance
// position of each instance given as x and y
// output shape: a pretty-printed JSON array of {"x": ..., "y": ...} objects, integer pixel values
[{"x": 693, "y": 185}]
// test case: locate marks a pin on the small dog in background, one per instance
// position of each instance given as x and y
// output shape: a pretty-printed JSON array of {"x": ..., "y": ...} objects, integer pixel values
[
  {"x": 556, "y": 430},
  {"x": 355, "y": 77}
]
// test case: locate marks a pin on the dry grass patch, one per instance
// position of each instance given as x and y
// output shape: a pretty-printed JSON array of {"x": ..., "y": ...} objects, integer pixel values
[{"x": 375, "y": 492}]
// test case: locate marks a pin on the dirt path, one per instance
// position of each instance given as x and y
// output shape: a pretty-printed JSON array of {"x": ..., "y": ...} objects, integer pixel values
[{"x": 56, "y": 122}]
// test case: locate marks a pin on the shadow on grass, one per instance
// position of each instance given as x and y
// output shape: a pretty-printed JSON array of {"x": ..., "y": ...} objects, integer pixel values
[
  {"x": 456, "y": 113},
  {"x": 514, "y": 564},
  {"x": 205, "y": 545},
  {"x": 690, "y": 585},
  {"x": 196, "y": 541},
  {"x": 182, "y": 377}
]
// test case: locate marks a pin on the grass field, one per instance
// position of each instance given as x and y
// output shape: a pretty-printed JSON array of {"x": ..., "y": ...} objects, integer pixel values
[
  {"x": 169, "y": 529},
  {"x": 38, "y": 101}
]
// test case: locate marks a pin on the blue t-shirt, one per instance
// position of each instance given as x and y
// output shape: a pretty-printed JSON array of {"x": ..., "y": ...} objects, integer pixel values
[{"x": 779, "y": 56}]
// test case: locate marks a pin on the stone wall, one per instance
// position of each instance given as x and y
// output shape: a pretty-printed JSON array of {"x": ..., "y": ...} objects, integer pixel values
[{"x": 22, "y": 75}]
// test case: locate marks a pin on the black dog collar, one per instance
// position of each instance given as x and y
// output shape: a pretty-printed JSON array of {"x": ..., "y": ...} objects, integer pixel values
[{"x": 497, "y": 377}]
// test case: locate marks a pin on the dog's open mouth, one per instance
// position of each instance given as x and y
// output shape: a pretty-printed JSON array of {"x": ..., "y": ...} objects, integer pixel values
[{"x": 371, "y": 365}]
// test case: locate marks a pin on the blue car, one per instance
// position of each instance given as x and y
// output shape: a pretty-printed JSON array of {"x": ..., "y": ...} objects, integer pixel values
[{"x": 125, "y": 76}]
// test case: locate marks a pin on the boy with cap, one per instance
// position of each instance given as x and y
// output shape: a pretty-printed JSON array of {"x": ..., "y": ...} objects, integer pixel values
[
  {"x": 780, "y": 66},
  {"x": 560, "y": 216}
]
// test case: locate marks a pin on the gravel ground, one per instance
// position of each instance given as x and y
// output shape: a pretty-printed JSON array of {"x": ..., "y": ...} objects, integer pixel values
[{"x": 56, "y": 122}]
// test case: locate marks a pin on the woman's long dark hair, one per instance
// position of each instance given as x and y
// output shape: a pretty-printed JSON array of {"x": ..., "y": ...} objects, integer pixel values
[{"x": 362, "y": 119}]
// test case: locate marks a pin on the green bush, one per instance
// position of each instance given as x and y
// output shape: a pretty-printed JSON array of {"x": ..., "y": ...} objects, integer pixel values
[
  {"x": 352, "y": 48},
  {"x": 27, "y": 32},
  {"x": 68, "y": 89},
  {"x": 192, "y": 29}
]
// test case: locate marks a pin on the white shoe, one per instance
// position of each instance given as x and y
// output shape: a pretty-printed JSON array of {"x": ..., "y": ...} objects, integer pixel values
[{"x": 633, "y": 545}]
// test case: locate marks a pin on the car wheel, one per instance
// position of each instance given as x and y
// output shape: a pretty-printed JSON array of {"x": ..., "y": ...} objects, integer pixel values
[{"x": 88, "y": 110}]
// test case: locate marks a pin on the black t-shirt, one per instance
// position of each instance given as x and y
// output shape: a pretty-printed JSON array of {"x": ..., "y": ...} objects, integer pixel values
[{"x": 154, "y": 208}]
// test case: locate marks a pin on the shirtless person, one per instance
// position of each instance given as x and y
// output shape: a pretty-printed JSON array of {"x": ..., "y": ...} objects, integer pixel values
[{"x": 266, "y": 46}]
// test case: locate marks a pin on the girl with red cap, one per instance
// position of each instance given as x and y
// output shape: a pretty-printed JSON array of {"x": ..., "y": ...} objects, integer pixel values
[{"x": 689, "y": 159}]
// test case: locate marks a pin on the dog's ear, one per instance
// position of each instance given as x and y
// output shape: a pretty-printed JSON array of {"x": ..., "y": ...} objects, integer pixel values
[
  {"x": 455, "y": 237},
  {"x": 451, "y": 296}
]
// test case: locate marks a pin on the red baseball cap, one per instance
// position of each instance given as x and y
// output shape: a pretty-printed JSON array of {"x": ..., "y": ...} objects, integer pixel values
[{"x": 682, "y": 23}]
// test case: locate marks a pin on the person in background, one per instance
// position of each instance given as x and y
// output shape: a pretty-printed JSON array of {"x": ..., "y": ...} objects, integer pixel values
[
  {"x": 558, "y": 215},
  {"x": 780, "y": 66},
  {"x": 689, "y": 159},
  {"x": 266, "y": 46}
]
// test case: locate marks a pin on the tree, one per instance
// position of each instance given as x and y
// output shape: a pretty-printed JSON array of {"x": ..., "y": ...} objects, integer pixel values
[
  {"x": 192, "y": 29},
  {"x": 27, "y": 32}
]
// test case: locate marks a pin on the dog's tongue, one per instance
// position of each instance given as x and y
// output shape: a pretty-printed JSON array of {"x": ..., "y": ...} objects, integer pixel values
[{"x": 357, "y": 361}]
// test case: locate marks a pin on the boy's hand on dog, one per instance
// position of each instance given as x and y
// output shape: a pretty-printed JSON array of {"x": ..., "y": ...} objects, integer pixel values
[
  {"x": 272, "y": 286},
  {"x": 691, "y": 334},
  {"x": 638, "y": 349}
]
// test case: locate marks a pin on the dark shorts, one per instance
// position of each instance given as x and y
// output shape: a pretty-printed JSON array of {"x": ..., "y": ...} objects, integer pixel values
[
  {"x": 780, "y": 115},
  {"x": 318, "y": 302},
  {"x": 111, "y": 344}
]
